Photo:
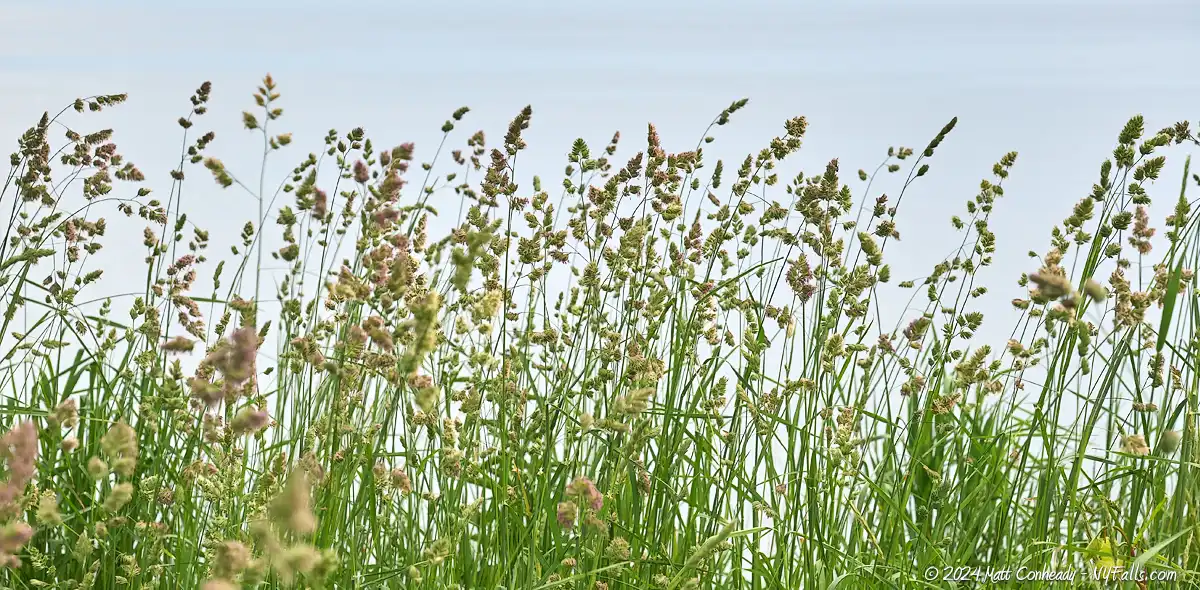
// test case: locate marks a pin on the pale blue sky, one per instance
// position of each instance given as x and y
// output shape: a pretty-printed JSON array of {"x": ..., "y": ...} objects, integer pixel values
[{"x": 1054, "y": 80}]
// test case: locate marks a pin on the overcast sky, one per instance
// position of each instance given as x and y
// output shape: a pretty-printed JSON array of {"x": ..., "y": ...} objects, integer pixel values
[{"x": 1053, "y": 80}]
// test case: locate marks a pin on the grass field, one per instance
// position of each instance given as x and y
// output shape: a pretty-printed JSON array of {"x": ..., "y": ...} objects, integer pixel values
[{"x": 654, "y": 370}]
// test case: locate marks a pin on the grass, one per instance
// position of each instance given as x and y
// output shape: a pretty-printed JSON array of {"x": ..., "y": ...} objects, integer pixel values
[{"x": 668, "y": 373}]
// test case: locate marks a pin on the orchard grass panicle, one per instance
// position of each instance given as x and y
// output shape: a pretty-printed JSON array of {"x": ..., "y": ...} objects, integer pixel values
[{"x": 659, "y": 371}]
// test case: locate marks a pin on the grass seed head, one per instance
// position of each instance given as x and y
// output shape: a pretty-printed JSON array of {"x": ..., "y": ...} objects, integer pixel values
[
  {"x": 292, "y": 509},
  {"x": 13, "y": 536},
  {"x": 1135, "y": 444}
]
